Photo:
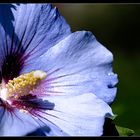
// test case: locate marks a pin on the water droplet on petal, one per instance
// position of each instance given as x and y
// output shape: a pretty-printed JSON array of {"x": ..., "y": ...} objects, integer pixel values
[{"x": 110, "y": 73}]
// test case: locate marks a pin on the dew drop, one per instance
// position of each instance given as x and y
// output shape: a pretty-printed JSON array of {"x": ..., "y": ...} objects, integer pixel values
[{"x": 110, "y": 74}]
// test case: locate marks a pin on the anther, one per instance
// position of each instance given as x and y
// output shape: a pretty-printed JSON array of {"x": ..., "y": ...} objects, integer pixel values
[{"x": 24, "y": 84}]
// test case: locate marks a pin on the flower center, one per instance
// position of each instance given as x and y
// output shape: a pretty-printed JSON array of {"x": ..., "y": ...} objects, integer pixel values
[{"x": 22, "y": 85}]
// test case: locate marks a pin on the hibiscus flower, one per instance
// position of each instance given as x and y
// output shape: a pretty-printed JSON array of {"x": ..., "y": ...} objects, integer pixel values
[{"x": 52, "y": 80}]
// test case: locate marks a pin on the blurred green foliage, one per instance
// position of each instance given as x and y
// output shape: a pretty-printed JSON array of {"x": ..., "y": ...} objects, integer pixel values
[{"x": 116, "y": 26}]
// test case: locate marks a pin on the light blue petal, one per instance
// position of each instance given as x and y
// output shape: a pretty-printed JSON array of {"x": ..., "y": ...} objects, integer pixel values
[
  {"x": 30, "y": 29},
  {"x": 49, "y": 130},
  {"x": 81, "y": 115},
  {"x": 76, "y": 65},
  {"x": 17, "y": 124}
]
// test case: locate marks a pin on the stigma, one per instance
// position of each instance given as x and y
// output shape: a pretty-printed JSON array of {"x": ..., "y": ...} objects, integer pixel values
[{"x": 22, "y": 85}]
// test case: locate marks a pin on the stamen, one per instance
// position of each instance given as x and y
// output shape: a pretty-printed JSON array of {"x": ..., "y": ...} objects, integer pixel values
[
  {"x": 24, "y": 84},
  {"x": 23, "y": 111}
]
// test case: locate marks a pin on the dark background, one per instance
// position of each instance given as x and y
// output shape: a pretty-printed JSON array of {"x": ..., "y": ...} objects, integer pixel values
[{"x": 117, "y": 27}]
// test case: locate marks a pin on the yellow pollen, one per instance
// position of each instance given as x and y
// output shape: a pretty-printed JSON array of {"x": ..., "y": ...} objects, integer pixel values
[
  {"x": 23, "y": 111},
  {"x": 25, "y": 83}
]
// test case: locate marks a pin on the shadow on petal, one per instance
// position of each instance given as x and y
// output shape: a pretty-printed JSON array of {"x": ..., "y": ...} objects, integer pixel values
[
  {"x": 6, "y": 17},
  {"x": 40, "y": 131}
]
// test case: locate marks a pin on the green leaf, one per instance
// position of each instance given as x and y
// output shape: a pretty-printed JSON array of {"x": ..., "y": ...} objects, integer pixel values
[{"x": 124, "y": 131}]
